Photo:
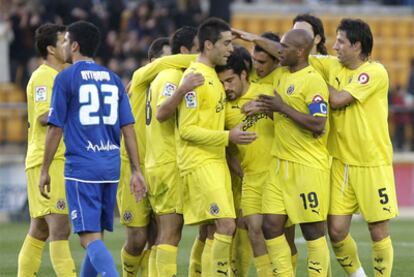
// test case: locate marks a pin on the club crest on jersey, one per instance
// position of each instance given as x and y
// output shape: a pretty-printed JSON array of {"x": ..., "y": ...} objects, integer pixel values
[
  {"x": 290, "y": 89},
  {"x": 214, "y": 209},
  {"x": 191, "y": 99},
  {"x": 61, "y": 204},
  {"x": 40, "y": 94},
  {"x": 363, "y": 78},
  {"x": 169, "y": 89},
  {"x": 127, "y": 216}
]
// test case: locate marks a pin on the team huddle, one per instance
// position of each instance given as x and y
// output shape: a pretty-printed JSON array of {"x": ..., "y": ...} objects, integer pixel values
[{"x": 244, "y": 145}]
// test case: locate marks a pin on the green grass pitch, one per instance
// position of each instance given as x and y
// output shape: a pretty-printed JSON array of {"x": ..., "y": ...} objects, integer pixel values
[{"x": 12, "y": 235}]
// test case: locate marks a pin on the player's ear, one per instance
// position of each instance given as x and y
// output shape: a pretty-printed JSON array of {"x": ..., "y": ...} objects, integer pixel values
[
  {"x": 184, "y": 50},
  {"x": 357, "y": 46},
  {"x": 317, "y": 39},
  {"x": 208, "y": 45},
  {"x": 50, "y": 49}
]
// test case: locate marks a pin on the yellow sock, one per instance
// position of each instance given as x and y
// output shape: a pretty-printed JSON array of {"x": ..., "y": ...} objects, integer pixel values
[
  {"x": 61, "y": 258},
  {"x": 194, "y": 269},
  {"x": 206, "y": 264},
  {"x": 318, "y": 257},
  {"x": 383, "y": 256},
  {"x": 241, "y": 253},
  {"x": 220, "y": 252},
  {"x": 144, "y": 263},
  {"x": 294, "y": 259},
  {"x": 30, "y": 257},
  {"x": 130, "y": 264},
  {"x": 152, "y": 265},
  {"x": 263, "y": 266},
  {"x": 346, "y": 253},
  {"x": 279, "y": 253},
  {"x": 166, "y": 260}
]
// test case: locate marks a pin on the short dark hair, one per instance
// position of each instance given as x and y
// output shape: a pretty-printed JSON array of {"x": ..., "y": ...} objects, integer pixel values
[
  {"x": 156, "y": 47},
  {"x": 357, "y": 30},
  {"x": 45, "y": 35},
  {"x": 317, "y": 27},
  {"x": 270, "y": 36},
  {"x": 211, "y": 30},
  {"x": 183, "y": 37},
  {"x": 236, "y": 61},
  {"x": 87, "y": 35}
]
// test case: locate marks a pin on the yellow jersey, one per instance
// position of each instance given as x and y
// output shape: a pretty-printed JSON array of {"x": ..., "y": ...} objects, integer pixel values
[
  {"x": 39, "y": 94},
  {"x": 140, "y": 82},
  {"x": 268, "y": 79},
  {"x": 201, "y": 117},
  {"x": 254, "y": 157},
  {"x": 162, "y": 149},
  {"x": 306, "y": 92},
  {"x": 359, "y": 133}
]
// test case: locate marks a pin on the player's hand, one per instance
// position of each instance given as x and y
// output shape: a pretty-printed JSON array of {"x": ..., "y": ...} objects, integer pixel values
[
  {"x": 138, "y": 187},
  {"x": 238, "y": 136},
  {"x": 44, "y": 185},
  {"x": 271, "y": 103},
  {"x": 243, "y": 35},
  {"x": 191, "y": 81},
  {"x": 252, "y": 107}
]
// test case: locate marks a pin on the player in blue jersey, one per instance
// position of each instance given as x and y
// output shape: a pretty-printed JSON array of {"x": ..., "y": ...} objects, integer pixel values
[{"x": 90, "y": 108}]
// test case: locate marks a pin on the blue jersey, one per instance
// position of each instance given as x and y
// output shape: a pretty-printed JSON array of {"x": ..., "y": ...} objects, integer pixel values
[{"x": 90, "y": 104}]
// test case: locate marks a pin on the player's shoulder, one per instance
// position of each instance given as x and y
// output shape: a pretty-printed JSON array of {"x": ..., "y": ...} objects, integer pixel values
[
  {"x": 371, "y": 71},
  {"x": 257, "y": 89},
  {"x": 314, "y": 74},
  {"x": 170, "y": 75}
]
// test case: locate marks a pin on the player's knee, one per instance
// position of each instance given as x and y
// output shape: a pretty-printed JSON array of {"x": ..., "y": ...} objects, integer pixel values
[
  {"x": 226, "y": 226},
  {"x": 336, "y": 233},
  {"x": 272, "y": 228},
  {"x": 378, "y": 230},
  {"x": 62, "y": 233},
  {"x": 39, "y": 231}
]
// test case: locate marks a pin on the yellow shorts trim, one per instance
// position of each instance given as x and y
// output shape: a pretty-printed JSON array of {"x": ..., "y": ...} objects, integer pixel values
[
  {"x": 57, "y": 204},
  {"x": 207, "y": 193},
  {"x": 369, "y": 190},
  {"x": 132, "y": 214}
]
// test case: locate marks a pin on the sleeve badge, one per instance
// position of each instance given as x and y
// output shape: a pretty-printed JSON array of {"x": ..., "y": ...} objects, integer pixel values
[{"x": 40, "y": 94}]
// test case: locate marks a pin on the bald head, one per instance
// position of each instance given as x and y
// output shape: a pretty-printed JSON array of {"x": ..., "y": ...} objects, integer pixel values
[{"x": 300, "y": 39}]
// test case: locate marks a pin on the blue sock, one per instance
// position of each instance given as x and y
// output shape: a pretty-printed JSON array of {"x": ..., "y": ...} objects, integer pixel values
[
  {"x": 101, "y": 259},
  {"x": 87, "y": 269}
]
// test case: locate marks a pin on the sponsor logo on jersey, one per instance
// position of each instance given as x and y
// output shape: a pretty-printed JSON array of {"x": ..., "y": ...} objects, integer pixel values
[
  {"x": 40, "y": 94},
  {"x": 108, "y": 146},
  {"x": 190, "y": 99},
  {"x": 61, "y": 204},
  {"x": 169, "y": 89},
  {"x": 290, "y": 89},
  {"x": 214, "y": 209},
  {"x": 127, "y": 216},
  {"x": 363, "y": 78}
]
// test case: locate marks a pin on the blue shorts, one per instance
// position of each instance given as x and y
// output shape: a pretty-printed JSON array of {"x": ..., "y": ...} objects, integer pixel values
[{"x": 91, "y": 205}]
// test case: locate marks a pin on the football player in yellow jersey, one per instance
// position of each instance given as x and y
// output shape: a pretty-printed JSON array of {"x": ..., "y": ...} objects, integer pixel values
[
  {"x": 254, "y": 157},
  {"x": 314, "y": 26},
  {"x": 300, "y": 187},
  {"x": 207, "y": 195},
  {"x": 264, "y": 64},
  {"x": 48, "y": 217},
  {"x": 136, "y": 216},
  {"x": 164, "y": 182},
  {"x": 361, "y": 175}
]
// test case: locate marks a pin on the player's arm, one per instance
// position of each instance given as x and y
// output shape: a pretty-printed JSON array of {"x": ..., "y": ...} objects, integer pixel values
[
  {"x": 232, "y": 160},
  {"x": 170, "y": 104},
  {"x": 42, "y": 119},
  {"x": 147, "y": 73},
  {"x": 190, "y": 130},
  {"x": 272, "y": 47},
  {"x": 53, "y": 137},
  {"x": 339, "y": 99},
  {"x": 315, "y": 124},
  {"x": 138, "y": 186}
]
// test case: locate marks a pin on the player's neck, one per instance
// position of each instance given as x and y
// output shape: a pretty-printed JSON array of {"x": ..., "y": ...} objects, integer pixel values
[
  {"x": 77, "y": 57},
  {"x": 205, "y": 60},
  {"x": 354, "y": 64},
  {"x": 297, "y": 67},
  {"x": 54, "y": 63}
]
